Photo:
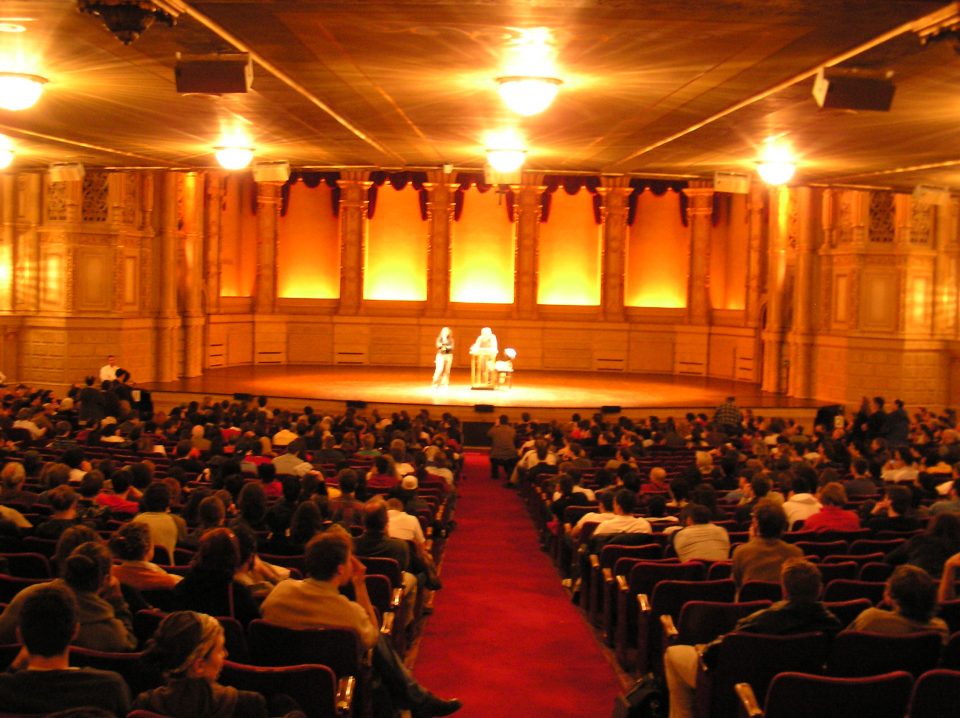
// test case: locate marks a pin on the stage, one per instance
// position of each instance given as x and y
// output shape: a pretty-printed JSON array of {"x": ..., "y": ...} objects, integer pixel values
[{"x": 546, "y": 394}]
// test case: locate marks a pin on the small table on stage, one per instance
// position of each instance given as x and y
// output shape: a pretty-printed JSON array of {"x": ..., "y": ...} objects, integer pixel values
[{"x": 482, "y": 375}]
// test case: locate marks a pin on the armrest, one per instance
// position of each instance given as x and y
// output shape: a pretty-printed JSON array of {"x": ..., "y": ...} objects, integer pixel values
[
  {"x": 396, "y": 596},
  {"x": 643, "y": 603},
  {"x": 608, "y": 575},
  {"x": 386, "y": 625},
  {"x": 594, "y": 562},
  {"x": 345, "y": 689},
  {"x": 748, "y": 700},
  {"x": 622, "y": 585},
  {"x": 670, "y": 632}
]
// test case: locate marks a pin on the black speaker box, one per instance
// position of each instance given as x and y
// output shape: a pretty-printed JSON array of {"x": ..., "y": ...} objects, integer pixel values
[
  {"x": 610, "y": 409},
  {"x": 356, "y": 404},
  {"x": 214, "y": 74},
  {"x": 483, "y": 408},
  {"x": 834, "y": 89},
  {"x": 240, "y": 396}
]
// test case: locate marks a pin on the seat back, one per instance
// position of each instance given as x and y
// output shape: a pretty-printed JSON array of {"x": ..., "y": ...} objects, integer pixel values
[
  {"x": 936, "y": 694},
  {"x": 865, "y": 546},
  {"x": 951, "y": 653},
  {"x": 384, "y": 566},
  {"x": 137, "y": 674},
  {"x": 821, "y": 548},
  {"x": 312, "y": 686},
  {"x": 861, "y": 653},
  {"x": 875, "y": 571},
  {"x": 33, "y": 544},
  {"x": 761, "y": 591},
  {"x": 755, "y": 659},
  {"x": 859, "y": 559},
  {"x": 645, "y": 576},
  {"x": 843, "y": 589},
  {"x": 846, "y": 611},
  {"x": 703, "y": 621},
  {"x": 10, "y": 586},
  {"x": 843, "y": 569},
  {"x": 800, "y": 695},
  {"x": 27, "y": 565},
  {"x": 272, "y": 645},
  {"x": 611, "y": 553}
]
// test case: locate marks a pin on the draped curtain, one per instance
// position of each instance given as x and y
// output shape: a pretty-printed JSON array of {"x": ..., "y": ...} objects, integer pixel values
[
  {"x": 659, "y": 188},
  {"x": 571, "y": 185},
  {"x": 311, "y": 180},
  {"x": 397, "y": 180},
  {"x": 478, "y": 180}
]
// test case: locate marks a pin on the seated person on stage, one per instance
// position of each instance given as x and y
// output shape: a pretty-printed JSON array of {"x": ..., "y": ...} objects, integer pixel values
[
  {"x": 316, "y": 602},
  {"x": 486, "y": 346},
  {"x": 41, "y": 679},
  {"x": 913, "y": 595},
  {"x": 189, "y": 649},
  {"x": 800, "y": 612}
]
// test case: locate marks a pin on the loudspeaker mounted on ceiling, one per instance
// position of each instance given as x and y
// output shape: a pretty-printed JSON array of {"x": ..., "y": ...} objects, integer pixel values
[
  {"x": 732, "y": 182},
  {"x": 852, "y": 89},
  {"x": 495, "y": 177},
  {"x": 219, "y": 74},
  {"x": 926, "y": 195},
  {"x": 271, "y": 171},
  {"x": 66, "y": 172}
]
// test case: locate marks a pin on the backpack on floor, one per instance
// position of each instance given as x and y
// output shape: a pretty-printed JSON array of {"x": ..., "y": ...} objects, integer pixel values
[{"x": 646, "y": 699}]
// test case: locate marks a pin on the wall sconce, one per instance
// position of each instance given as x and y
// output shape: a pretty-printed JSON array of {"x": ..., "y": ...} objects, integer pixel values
[
  {"x": 20, "y": 91},
  {"x": 6, "y": 152},
  {"x": 528, "y": 95}
]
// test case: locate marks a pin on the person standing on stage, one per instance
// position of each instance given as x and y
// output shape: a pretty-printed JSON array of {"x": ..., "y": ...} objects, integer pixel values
[{"x": 444, "y": 357}]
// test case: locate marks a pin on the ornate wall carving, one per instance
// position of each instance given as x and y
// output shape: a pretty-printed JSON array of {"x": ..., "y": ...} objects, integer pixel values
[
  {"x": 882, "y": 224},
  {"x": 94, "y": 195}
]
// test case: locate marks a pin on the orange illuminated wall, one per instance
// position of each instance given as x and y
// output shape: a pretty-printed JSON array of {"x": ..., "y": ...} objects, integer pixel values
[
  {"x": 308, "y": 246},
  {"x": 728, "y": 253},
  {"x": 568, "y": 265},
  {"x": 658, "y": 254},
  {"x": 395, "y": 265},
  {"x": 481, "y": 251},
  {"x": 238, "y": 237}
]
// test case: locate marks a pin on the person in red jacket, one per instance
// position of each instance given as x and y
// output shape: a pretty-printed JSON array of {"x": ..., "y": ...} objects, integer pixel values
[{"x": 832, "y": 516}]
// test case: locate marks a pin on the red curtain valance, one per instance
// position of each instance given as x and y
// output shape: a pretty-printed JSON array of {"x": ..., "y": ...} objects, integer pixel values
[
  {"x": 397, "y": 180},
  {"x": 311, "y": 180},
  {"x": 659, "y": 188},
  {"x": 571, "y": 185},
  {"x": 478, "y": 180}
]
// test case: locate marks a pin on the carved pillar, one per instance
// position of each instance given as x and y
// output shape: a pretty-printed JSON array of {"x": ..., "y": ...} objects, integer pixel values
[
  {"x": 439, "y": 216},
  {"x": 614, "y": 192},
  {"x": 699, "y": 212},
  {"x": 211, "y": 255},
  {"x": 268, "y": 212},
  {"x": 801, "y": 331},
  {"x": 527, "y": 212},
  {"x": 8, "y": 237},
  {"x": 757, "y": 242},
  {"x": 776, "y": 286},
  {"x": 192, "y": 274},
  {"x": 26, "y": 250},
  {"x": 945, "y": 273},
  {"x": 168, "y": 322},
  {"x": 353, "y": 210}
]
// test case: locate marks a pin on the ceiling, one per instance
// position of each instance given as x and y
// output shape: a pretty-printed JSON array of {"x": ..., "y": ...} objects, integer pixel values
[{"x": 680, "y": 88}]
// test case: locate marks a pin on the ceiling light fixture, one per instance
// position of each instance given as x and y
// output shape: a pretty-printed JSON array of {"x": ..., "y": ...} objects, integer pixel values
[
  {"x": 234, "y": 158},
  {"x": 776, "y": 166},
  {"x": 528, "y": 95},
  {"x": 506, "y": 160},
  {"x": 128, "y": 19},
  {"x": 19, "y": 90}
]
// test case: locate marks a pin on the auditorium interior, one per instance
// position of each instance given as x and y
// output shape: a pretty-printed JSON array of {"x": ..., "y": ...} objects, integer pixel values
[{"x": 656, "y": 204}]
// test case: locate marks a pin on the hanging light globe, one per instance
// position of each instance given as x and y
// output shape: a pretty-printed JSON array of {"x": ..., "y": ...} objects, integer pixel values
[
  {"x": 19, "y": 90},
  {"x": 528, "y": 95},
  {"x": 234, "y": 158}
]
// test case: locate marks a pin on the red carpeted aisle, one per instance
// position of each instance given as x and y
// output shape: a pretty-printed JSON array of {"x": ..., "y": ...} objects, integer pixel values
[{"x": 504, "y": 636}]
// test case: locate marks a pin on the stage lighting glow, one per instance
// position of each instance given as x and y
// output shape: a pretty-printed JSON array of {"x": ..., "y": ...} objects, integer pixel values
[
  {"x": 396, "y": 248},
  {"x": 482, "y": 252},
  {"x": 308, "y": 246},
  {"x": 568, "y": 264}
]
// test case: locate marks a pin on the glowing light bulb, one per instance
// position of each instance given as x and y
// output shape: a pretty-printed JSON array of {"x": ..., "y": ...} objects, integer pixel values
[
  {"x": 20, "y": 91},
  {"x": 528, "y": 95},
  {"x": 234, "y": 158}
]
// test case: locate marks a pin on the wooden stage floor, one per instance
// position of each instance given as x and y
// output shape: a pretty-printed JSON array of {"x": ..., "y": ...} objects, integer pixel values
[{"x": 327, "y": 387}]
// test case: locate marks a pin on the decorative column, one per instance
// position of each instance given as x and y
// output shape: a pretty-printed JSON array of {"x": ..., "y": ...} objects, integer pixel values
[
  {"x": 757, "y": 242},
  {"x": 527, "y": 212},
  {"x": 211, "y": 257},
  {"x": 8, "y": 237},
  {"x": 439, "y": 217},
  {"x": 268, "y": 212},
  {"x": 168, "y": 322},
  {"x": 699, "y": 212},
  {"x": 192, "y": 272},
  {"x": 801, "y": 332},
  {"x": 945, "y": 273},
  {"x": 615, "y": 191},
  {"x": 353, "y": 209},
  {"x": 772, "y": 335}
]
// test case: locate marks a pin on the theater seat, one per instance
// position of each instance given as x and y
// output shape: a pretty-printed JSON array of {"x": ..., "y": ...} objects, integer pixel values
[
  {"x": 802, "y": 695},
  {"x": 936, "y": 694},
  {"x": 860, "y": 653},
  {"x": 315, "y": 688}
]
